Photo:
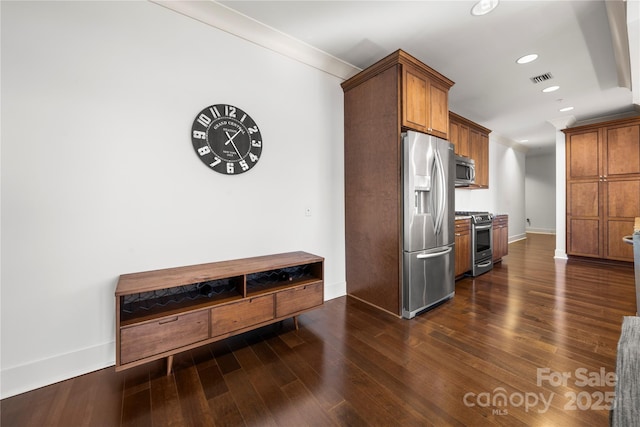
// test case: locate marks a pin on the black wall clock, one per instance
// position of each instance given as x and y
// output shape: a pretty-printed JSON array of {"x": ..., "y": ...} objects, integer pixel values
[{"x": 226, "y": 139}]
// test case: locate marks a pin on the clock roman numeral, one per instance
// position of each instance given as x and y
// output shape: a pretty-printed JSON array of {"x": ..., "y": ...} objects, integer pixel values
[
  {"x": 204, "y": 120},
  {"x": 214, "y": 112}
]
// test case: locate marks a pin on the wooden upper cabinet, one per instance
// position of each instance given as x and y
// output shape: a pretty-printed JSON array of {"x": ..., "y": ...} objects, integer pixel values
[
  {"x": 425, "y": 102},
  {"x": 415, "y": 94},
  {"x": 459, "y": 137},
  {"x": 471, "y": 140},
  {"x": 423, "y": 93}
]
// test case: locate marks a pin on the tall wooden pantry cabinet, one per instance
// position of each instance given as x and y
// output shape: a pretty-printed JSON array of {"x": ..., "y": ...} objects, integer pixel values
[
  {"x": 603, "y": 188},
  {"x": 397, "y": 93}
]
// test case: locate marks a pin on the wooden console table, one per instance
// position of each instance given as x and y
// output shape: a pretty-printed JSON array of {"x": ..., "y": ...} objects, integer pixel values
[{"x": 163, "y": 312}]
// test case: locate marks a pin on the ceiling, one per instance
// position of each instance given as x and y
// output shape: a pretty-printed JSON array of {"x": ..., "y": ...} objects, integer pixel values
[{"x": 586, "y": 55}]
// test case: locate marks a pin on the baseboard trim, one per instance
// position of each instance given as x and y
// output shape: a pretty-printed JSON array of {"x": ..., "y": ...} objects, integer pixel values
[
  {"x": 335, "y": 290},
  {"x": 541, "y": 230},
  {"x": 517, "y": 237},
  {"x": 30, "y": 376},
  {"x": 33, "y": 375}
]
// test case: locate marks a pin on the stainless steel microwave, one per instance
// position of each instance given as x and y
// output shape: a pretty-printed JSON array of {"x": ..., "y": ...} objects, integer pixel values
[{"x": 465, "y": 171}]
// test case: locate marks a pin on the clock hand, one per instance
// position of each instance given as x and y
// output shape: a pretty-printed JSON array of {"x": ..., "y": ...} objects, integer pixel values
[
  {"x": 230, "y": 138},
  {"x": 235, "y": 148}
]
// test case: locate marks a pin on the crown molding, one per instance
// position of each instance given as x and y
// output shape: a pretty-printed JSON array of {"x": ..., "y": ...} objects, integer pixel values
[{"x": 228, "y": 20}]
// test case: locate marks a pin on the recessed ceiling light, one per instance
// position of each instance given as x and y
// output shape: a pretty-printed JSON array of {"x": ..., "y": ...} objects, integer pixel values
[
  {"x": 566, "y": 109},
  {"x": 550, "y": 89},
  {"x": 527, "y": 58},
  {"x": 483, "y": 7}
]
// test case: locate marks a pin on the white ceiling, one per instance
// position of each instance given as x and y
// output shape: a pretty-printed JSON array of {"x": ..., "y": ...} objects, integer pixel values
[{"x": 572, "y": 38}]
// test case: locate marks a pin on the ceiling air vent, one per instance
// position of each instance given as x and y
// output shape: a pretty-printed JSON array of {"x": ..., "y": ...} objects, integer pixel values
[{"x": 541, "y": 78}]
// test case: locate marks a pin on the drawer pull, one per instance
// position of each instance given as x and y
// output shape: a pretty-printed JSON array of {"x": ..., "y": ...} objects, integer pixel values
[{"x": 172, "y": 319}]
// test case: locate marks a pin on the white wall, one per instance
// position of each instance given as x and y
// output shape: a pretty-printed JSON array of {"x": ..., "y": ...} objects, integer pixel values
[
  {"x": 506, "y": 192},
  {"x": 540, "y": 190},
  {"x": 99, "y": 176}
]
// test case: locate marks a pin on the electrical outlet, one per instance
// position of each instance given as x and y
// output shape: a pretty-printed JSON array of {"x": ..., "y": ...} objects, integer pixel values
[{"x": 307, "y": 212}]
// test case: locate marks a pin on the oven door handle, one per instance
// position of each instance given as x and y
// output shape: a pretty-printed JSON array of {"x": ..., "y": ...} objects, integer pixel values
[
  {"x": 483, "y": 227},
  {"x": 485, "y": 264},
  {"x": 435, "y": 254}
]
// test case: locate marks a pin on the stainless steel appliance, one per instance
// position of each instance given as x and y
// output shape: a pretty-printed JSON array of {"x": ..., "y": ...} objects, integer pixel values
[
  {"x": 428, "y": 222},
  {"x": 465, "y": 171},
  {"x": 481, "y": 241}
]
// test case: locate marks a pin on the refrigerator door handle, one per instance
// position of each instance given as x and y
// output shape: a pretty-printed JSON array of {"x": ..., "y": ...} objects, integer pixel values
[
  {"x": 441, "y": 192},
  {"x": 435, "y": 254}
]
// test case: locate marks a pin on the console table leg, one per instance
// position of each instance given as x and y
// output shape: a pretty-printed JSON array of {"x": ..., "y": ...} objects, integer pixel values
[
  {"x": 295, "y": 321},
  {"x": 169, "y": 364}
]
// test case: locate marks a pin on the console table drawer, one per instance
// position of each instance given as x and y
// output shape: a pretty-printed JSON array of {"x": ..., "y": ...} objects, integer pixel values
[
  {"x": 148, "y": 339},
  {"x": 240, "y": 315},
  {"x": 298, "y": 299}
]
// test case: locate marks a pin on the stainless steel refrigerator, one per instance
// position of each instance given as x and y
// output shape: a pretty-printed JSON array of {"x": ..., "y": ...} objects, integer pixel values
[{"x": 428, "y": 222}]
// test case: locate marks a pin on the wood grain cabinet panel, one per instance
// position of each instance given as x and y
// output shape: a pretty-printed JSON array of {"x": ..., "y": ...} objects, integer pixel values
[
  {"x": 239, "y": 315},
  {"x": 583, "y": 155},
  {"x": 616, "y": 249},
  {"x": 500, "y": 237},
  {"x": 167, "y": 333},
  {"x": 298, "y": 299},
  {"x": 603, "y": 188},
  {"x": 583, "y": 199},
  {"x": 584, "y": 237},
  {"x": 415, "y": 105},
  {"x": 462, "y": 246},
  {"x": 623, "y": 150}
]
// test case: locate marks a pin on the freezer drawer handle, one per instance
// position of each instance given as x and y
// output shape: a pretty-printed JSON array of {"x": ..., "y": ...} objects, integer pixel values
[{"x": 433, "y": 255}]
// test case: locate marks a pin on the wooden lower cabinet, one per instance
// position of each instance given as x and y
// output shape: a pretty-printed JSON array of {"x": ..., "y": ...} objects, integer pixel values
[
  {"x": 462, "y": 246},
  {"x": 500, "y": 237},
  {"x": 163, "y": 312}
]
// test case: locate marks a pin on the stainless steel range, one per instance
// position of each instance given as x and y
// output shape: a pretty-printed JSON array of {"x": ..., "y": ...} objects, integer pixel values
[{"x": 481, "y": 241}]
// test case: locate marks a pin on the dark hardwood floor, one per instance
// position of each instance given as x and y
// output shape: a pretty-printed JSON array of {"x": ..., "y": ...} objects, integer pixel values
[{"x": 531, "y": 343}]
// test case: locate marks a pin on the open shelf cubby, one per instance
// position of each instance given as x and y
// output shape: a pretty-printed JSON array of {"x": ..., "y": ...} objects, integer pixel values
[{"x": 273, "y": 280}]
